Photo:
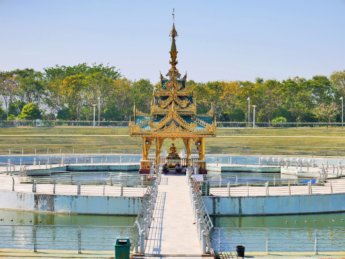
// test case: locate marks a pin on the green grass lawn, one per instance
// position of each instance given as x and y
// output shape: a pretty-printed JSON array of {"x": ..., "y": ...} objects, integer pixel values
[{"x": 321, "y": 141}]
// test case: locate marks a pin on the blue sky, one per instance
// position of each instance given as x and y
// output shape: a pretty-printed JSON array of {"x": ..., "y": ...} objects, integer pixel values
[{"x": 218, "y": 40}]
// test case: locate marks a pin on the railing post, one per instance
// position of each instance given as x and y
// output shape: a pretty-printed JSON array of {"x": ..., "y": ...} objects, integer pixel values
[
  {"x": 12, "y": 184},
  {"x": 34, "y": 186},
  {"x": 315, "y": 244},
  {"x": 309, "y": 188},
  {"x": 203, "y": 242},
  {"x": 121, "y": 190},
  {"x": 247, "y": 189},
  {"x": 142, "y": 243},
  {"x": 331, "y": 185},
  {"x": 54, "y": 187},
  {"x": 34, "y": 237},
  {"x": 289, "y": 188},
  {"x": 79, "y": 240},
  {"x": 267, "y": 189},
  {"x": 78, "y": 189},
  {"x": 9, "y": 164},
  {"x": 219, "y": 240},
  {"x": 229, "y": 194}
]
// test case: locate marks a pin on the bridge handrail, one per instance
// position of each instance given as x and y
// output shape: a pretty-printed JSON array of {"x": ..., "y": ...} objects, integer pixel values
[
  {"x": 145, "y": 215},
  {"x": 202, "y": 217}
]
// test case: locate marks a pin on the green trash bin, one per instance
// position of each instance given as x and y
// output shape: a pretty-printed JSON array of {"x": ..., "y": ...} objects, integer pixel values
[{"x": 122, "y": 248}]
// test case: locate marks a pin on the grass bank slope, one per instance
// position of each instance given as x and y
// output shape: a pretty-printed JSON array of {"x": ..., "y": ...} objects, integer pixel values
[{"x": 321, "y": 141}]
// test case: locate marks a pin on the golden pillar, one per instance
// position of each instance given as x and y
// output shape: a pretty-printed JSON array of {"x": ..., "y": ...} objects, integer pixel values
[
  {"x": 159, "y": 143},
  {"x": 145, "y": 163},
  {"x": 186, "y": 142},
  {"x": 200, "y": 146},
  {"x": 146, "y": 147},
  {"x": 202, "y": 152}
]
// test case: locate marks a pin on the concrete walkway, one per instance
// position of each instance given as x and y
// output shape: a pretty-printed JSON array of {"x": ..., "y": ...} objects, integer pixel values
[{"x": 173, "y": 231}]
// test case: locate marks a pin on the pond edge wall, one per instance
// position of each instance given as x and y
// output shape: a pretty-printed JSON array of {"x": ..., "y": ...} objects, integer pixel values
[
  {"x": 70, "y": 204},
  {"x": 275, "y": 205}
]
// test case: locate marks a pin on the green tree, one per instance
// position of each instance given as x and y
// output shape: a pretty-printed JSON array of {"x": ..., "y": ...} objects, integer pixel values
[
  {"x": 326, "y": 112},
  {"x": 2, "y": 113},
  {"x": 30, "y": 111},
  {"x": 79, "y": 87},
  {"x": 298, "y": 99},
  {"x": 31, "y": 85},
  {"x": 278, "y": 120},
  {"x": 268, "y": 99},
  {"x": 64, "y": 114},
  {"x": 16, "y": 107},
  {"x": 338, "y": 80},
  {"x": 141, "y": 92},
  {"x": 119, "y": 101},
  {"x": 200, "y": 96},
  {"x": 322, "y": 90},
  {"x": 9, "y": 88}
]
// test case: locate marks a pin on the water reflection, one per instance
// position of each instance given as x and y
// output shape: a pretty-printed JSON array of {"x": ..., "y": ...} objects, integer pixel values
[
  {"x": 283, "y": 221},
  {"x": 8, "y": 217}
]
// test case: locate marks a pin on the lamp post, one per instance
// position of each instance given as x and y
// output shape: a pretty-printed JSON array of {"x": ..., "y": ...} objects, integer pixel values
[
  {"x": 99, "y": 111},
  {"x": 342, "y": 110},
  {"x": 248, "y": 115},
  {"x": 94, "y": 114},
  {"x": 254, "y": 106}
]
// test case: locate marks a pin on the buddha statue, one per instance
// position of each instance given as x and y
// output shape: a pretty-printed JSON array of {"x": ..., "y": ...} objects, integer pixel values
[{"x": 173, "y": 152}]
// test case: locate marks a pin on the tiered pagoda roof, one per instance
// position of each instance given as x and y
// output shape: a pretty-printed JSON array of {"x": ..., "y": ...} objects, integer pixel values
[{"x": 173, "y": 109}]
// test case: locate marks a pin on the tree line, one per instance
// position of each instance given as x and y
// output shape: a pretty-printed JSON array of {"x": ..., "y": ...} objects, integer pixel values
[{"x": 76, "y": 92}]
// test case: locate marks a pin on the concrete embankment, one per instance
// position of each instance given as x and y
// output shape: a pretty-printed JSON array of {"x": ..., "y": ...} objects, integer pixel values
[
  {"x": 79, "y": 204},
  {"x": 275, "y": 205},
  {"x": 224, "y": 168}
]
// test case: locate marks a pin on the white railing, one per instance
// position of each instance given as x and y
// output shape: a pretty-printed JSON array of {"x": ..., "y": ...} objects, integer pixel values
[
  {"x": 73, "y": 178},
  {"x": 145, "y": 215},
  {"x": 63, "y": 237},
  {"x": 202, "y": 218},
  {"x": 233, "y": 188},
  {"x": 11, "y": 183},
  {"x": 275, "y": 240}
]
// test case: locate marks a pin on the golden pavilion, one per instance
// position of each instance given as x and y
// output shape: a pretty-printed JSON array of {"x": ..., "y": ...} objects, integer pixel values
[{"x": 173, "y": 116}]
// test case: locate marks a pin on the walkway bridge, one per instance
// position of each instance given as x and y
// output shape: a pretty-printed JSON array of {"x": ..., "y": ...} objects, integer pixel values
[{"x": 174, "y": 221}]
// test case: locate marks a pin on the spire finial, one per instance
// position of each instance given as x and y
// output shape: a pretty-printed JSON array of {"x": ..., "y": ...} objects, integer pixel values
[{"x": 173, "y": 72}]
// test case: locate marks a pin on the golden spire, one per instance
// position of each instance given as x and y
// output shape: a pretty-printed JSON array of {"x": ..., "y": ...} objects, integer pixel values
[{"x": 173, "y": 72}]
